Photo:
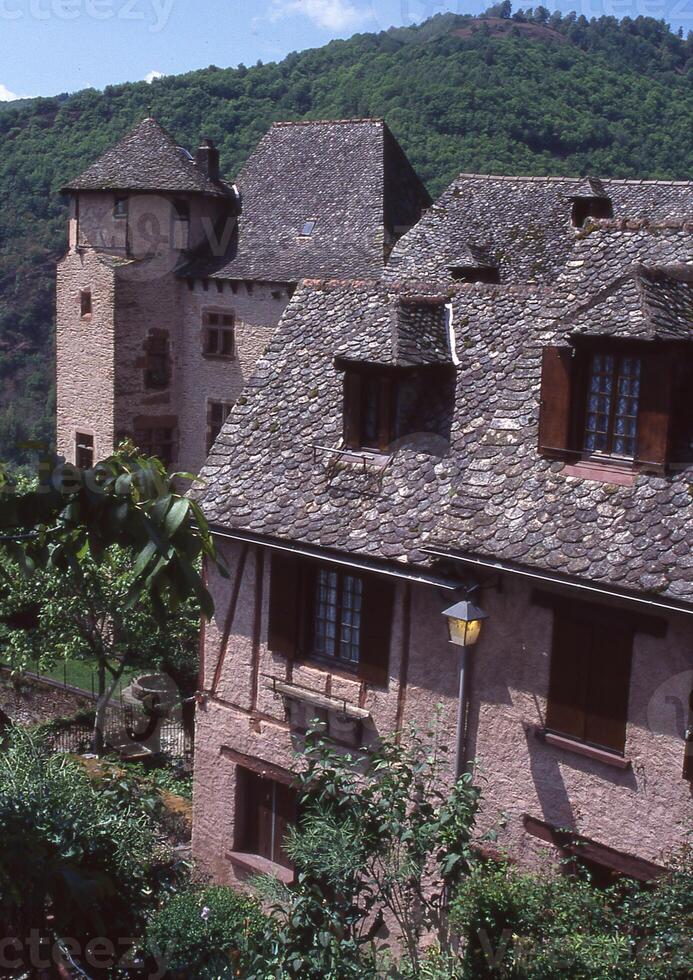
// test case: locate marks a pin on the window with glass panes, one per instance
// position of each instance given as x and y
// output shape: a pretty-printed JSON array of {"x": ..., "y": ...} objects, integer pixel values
[
  {"x": 337, "y": 617},
  {"x": 157, "y": 441},
  {"x": 218, "y": 335},
  {"x": 611, "y": 418}
]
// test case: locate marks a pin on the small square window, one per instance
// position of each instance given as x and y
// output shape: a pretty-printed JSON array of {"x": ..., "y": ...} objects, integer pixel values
[
  {"x": 85, "y": 306},
  {"x": 308, "y": 227},
  {"x": 120, "y": 208},
  {"x": 182, "y": 209}
]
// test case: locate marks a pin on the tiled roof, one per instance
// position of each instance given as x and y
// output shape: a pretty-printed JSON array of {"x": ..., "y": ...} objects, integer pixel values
[
  {"x": 402, "y": 332},
  {"x": 147, "y": 159},
  {"x": 348, "y": 176},
  {"x": 478, "y": 483},
  {"x": 524, "y": 222}
]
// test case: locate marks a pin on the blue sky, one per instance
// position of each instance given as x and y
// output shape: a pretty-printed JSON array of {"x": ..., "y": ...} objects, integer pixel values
[{"x": 53, "y": 46}]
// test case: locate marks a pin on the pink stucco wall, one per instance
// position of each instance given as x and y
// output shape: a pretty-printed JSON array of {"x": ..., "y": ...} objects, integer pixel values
[{"x": 641, "y": 811}]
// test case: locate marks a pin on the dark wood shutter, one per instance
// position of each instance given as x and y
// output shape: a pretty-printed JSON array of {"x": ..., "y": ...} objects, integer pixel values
[
  {"x": 565, "y": 713},
  {"x": 284, "y": 604},
  {"x": 608, "y": 687},
  {"x": 556, "y": 402},
  {"x": 376, "y": 628},
  {"x": 352, "y": 410},
  {"x": 654, "y": 409}
]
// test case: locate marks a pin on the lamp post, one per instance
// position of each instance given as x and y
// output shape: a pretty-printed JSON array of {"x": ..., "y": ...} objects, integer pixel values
[{"x": 464, "y": 626}]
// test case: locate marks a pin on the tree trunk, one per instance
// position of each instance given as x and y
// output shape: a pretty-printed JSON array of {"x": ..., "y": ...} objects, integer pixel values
[{"x": 105, "y": 695}]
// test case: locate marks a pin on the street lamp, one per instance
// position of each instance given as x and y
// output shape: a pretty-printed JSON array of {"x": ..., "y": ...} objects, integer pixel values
[
  {"x": 464, "y": 626},
  {"x": 464, "y": 623}
]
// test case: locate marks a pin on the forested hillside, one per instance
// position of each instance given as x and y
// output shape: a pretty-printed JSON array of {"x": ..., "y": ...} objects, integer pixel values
[{"x": 533, "y": 93}]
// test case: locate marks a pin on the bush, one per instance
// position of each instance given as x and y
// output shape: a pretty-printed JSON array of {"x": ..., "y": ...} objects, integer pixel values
[
  {"x": 206, "y": 933},
  {"x": 538, "y": 927}
]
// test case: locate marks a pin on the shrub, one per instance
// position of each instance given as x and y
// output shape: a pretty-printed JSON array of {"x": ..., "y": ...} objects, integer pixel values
[
  {"x": 538, "y": 927},
  {"x": 208, "y": 932}
]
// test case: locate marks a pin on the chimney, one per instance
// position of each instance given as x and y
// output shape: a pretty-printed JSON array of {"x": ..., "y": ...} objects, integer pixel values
[{"x": 207, "y": 159}]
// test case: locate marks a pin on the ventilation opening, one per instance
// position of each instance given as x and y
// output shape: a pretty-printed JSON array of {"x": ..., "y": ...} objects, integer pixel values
[
  {"x": 461, "y": 273},
  {"x": 590, "y": 207}
]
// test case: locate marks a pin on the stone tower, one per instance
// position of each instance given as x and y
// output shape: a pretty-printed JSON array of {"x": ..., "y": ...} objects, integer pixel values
[{"x": 137, "y": 215}]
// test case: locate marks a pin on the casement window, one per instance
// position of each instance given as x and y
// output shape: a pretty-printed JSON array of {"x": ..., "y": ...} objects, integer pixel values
[
  {"x": 590, "y": 207},
  {"x": 218, "y": 335},
  {"x": 217, "y": 413},
  {"x": 84, "y": 450},
  {"x": 157, "y": 373},
  {"x": 329, "y": 615},
  {"x": 153, "y": 439},
  {"x": 590, "y": 675},
  {"x": 120, "y": 208},
  {"x": 611, "y": 410},
  {"x": 265, "y": 811},
  {"x": 620, "y": 403},
  {"x": 370, "y": 409},
  {"x": 85, "y": 303}
]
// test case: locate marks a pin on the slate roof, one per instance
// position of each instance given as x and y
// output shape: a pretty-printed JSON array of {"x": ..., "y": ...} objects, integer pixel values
[
  {"x": 480, "y": 486},
  {"x": 647, "y": 303},
  {"x": 524, "y": 222},
  {"x": 349, "y": 176},
  {"x": 399, "y": 331},
  {"x": 147, "y": 159}
]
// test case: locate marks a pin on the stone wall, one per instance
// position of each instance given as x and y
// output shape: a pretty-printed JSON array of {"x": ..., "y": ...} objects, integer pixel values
[
  {"x": 85, "y": 353},
  {"x": 641, "y": 810}
]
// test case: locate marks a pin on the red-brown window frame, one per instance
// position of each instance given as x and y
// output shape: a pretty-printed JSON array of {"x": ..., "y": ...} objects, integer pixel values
[{"x": 359, "y": 383}]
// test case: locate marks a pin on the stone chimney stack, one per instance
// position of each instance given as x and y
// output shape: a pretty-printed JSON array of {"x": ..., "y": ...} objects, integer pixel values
[{"x": 207, "y": 159}]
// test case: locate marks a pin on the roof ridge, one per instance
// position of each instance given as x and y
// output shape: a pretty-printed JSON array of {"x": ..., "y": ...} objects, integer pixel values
[
  {"x": 558, "y": 179},
  {"x": 327, "y": 122}
]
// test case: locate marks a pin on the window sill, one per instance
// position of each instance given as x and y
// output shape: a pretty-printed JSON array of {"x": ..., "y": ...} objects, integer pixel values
[
  {"x": 606, "y": 756},
  {"x": 335, "y": 669},
  {"x": 601, "y": 472},
  {"x": 255, "y": 864}
]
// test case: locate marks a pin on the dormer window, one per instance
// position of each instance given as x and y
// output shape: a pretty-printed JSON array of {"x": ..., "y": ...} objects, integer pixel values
[
  {"x": 308, "y": 227},
  {"x": 616, "y": 402},
  {"x": 611, "y": 412},
  {"x": 590, "y": 207},
  {"x": 120, "y": 208},
  {"x": 370, "y": 398}
]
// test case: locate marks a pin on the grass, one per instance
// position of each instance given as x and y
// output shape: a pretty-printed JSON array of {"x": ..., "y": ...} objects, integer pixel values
[{"x": 81, "y": 674}]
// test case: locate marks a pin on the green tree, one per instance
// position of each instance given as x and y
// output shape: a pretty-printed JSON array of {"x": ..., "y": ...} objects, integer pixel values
[{"x": 379, "y": 836}]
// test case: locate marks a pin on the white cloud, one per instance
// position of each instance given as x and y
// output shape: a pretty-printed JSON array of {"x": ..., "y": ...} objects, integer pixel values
[
  {"x": 152, "y": 76},
  {"x": 6, "y": 95},
  {"x": 332, "y": 15}
]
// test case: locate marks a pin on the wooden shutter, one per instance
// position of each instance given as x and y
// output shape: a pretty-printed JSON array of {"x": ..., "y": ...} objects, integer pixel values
[
  {"x": 284, "y": 604},
  {"x": 555, "y": 407},
  {"x": 608, "y": 686},
  {"x": 565, "y": 713},
  {"x": 376, "y": 628},
  {"x": 352, "y": 410},
  {"x": 285, "y": 810},
  {"x": 654, "y": 409}
]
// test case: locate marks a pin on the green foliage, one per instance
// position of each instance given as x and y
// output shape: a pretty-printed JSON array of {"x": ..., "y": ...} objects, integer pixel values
[
  {"x": 537, "y": 927},
  {"x": 378, "y": 834},
  {"x": 85, "y": 853},
  {"x": 570, "y": 96},
  {"x": 127, "y": 500},
  {"x": 207, "y": 933}
]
